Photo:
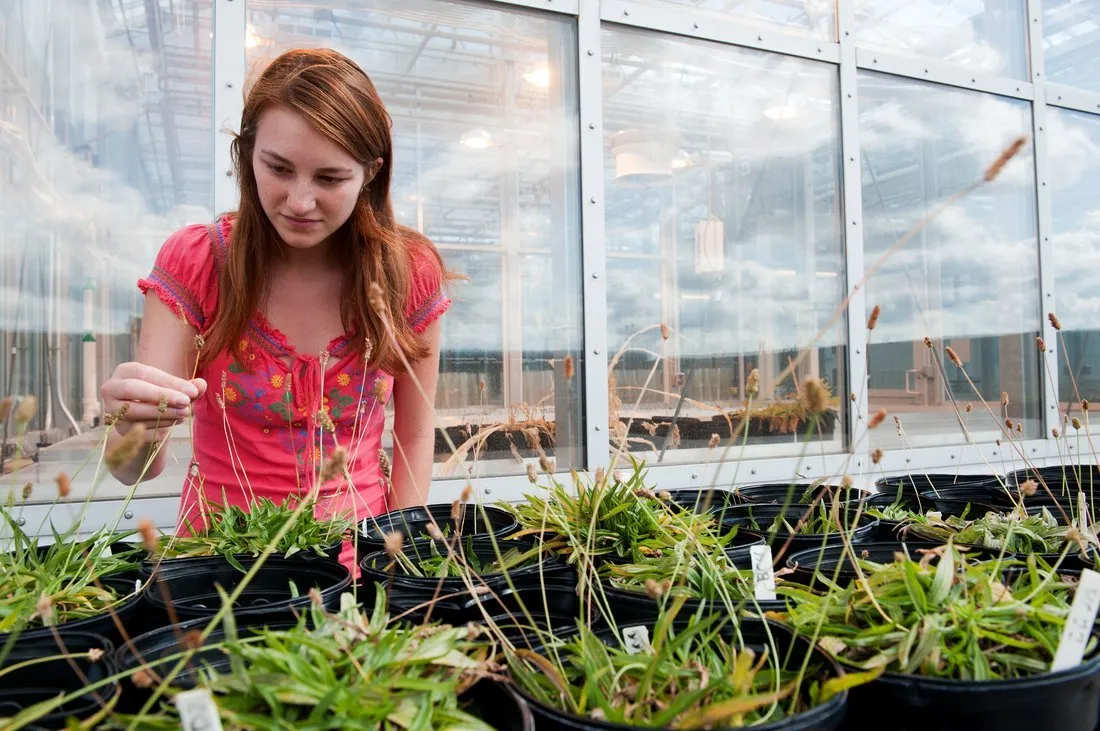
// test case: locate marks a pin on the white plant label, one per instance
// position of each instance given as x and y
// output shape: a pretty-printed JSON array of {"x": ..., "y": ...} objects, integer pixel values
[
  {"x": 1079, "y": 623},
  {"x": 636, "y": 639},
  {"x": 198, "y": 711},
  {"x": 763, "y": 575}
]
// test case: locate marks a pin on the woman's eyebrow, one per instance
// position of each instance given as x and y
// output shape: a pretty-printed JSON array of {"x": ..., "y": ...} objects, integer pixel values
[{"x": 280, "y": 158}]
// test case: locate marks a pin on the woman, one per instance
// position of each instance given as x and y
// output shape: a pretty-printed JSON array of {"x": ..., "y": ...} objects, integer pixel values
[{"x": 285, "y": 328}]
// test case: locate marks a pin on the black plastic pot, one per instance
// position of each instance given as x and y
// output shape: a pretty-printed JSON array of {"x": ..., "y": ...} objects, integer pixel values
[
  {"x": 22, "y": 688},
  {"x": 792, "y": 648},
  {"x": 129, "y": 612},
  {"x": 918, "y": 483},
  {"x": 758, "y": 519},
  {"x": 703, "y": 501},
  {"x": 498, "y": 705},
  {"x": 808, "y": 565},
  {"x": 1065, "y": 701},
  {"x": 888, "y": 530},
  {"x": 409, "y": 592},
  {"x": 635, "y": 607},
  {"x": 193, "y": 591},
  {"x": 949, "y": 500},
  {"x": 169, "y": 565},
  {"x": 157, "y": 647},
  {"x": 413, "y": 524},
  {"x": 784, "y": 493},
  {"x": 557, "y": 609},
  {"x": 1060, "y": 478}
]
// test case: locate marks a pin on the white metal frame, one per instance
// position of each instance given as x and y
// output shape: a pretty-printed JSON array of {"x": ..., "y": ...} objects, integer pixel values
[{"x": 229, "y": 74}]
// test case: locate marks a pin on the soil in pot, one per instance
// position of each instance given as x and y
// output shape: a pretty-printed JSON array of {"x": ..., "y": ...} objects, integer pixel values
[
  {"x": 473, "y": 520},
  {"x": 588, "y": 655},
  {"x": 526, "y": 563},
  {"x": 31, "y": 684},
  {"x": 280, "y": 585},
  {"x": 816, "y": 530}
]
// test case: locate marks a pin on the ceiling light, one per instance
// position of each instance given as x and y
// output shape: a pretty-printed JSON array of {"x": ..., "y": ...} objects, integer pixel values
[
  {"x": 477, "y": 139},
  {"x": 539, "y": 77}
]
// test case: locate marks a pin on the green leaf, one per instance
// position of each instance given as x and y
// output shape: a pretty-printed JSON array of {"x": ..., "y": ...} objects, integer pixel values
[{"x": 836, "y": 685}]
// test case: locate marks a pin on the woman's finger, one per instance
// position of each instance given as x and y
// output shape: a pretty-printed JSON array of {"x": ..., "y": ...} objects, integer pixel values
[{"x": 134, "y": 389}]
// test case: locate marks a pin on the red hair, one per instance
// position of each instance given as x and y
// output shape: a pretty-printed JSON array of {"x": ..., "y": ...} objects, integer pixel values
[{"x": 339, "y": 100}]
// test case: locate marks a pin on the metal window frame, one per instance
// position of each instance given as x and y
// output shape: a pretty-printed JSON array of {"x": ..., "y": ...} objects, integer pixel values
[{"x": 230, "y": 22}]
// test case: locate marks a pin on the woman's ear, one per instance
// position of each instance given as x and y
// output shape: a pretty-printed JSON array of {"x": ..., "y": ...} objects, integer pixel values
[{"x": 372, "y": 169}]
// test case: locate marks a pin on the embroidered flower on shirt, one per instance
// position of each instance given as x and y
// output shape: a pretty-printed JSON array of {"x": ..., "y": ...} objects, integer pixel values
[
  {"x": 231, "y": 395},
  {"x": 276, "y": 380},
  {"x": 344, "y": 380}
]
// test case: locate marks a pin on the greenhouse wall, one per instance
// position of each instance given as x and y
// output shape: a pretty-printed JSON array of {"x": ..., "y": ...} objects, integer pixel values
[{"x": 698, "y": 203}]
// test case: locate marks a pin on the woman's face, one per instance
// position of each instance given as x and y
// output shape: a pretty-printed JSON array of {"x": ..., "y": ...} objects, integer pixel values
[{"x": 308, "y": 185}]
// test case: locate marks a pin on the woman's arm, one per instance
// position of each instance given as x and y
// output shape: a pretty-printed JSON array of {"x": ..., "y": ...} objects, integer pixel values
[{"x": 414, "y": 427}]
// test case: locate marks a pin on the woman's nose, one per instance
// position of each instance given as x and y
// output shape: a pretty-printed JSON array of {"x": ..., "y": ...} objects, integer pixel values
[{"x": 301, "y": 198}]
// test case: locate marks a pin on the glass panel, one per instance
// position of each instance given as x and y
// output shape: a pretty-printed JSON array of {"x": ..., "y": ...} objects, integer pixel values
[
  {"x": 106, "y": 149},
  {"x": 484, "y": 107},
  {"x": 1074, "y": 150},
  {"x": 968, "y": 280},
  {"x": 986, "y": 38},
  {"x": 816, "y": 18},
  {"x": 1071, "y": 41},
  {"x": 722, "y": 224}
]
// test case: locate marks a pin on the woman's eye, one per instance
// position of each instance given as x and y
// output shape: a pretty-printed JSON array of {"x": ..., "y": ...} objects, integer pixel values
[
  {"x": 331, "y": 180},
  {"x": 279, "y": 169}
]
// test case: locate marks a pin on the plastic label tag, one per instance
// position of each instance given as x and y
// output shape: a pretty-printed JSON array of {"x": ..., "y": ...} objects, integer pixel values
[
  {"x": 763, "y": 575},
  {"x": 1078, "y": 629},
  {"x": 636, "y": 639},
  {"x": 198, "y": 711}
]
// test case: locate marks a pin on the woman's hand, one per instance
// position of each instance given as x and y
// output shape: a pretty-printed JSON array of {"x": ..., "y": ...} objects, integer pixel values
[{"x": 137, "y": 393}]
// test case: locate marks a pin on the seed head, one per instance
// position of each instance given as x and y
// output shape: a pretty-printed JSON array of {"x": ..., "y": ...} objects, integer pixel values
[
  {"x": 315, "y": 598},
  {"x": 532, "y": 475},
  {"x": 876, "y": 456},
  {"x": 200, "y": 342},
  {"x": 148, "y": 534},
  {"x": 434, "y": 533},
  {"x": 1054, "y": 321},
  {"x": 852, "y": 397},
  {"x": 380, "y": 389},
  {"x": 644, "y": 492},
  {"x": 335, "y": 464},
  {"x": 815, "y": 399},
  {"x": 1007, "y": 154},
  {"x": 45, "y": 608},
  {"x": 193, "y": 640},
  {"x": 1004, "y": 398},
  {"x": 1055, "y": 433},
  {"x": 112, "y": 418},
  {"x": 126, "y": 449},
  {"x": 1028, "y": 488},
  {"x": 142, "y": 679},
  {"x": 1008, "y": 423},
  {"x": 28, "y": 406},
  {"x": 664, "y": 331},
  {"x": 873, "y": 319},
  {"x": 953, "y": 356},
  {"x": 653, "y": 590},
  {"x": 877, "y": 419},
  {"x": 377, "y": 299},
  {"x": 568, "y": 367},
  {"x": 64, "y": 485},
  {"x": 928, "y": 342},
  {"x": 715, "y": 440},
  {"x": 1042, "y": 344},
  {"x": 1019, "y": 427},
  {"x": 5, "y": 408},
  {"x": 28, "y": 489},
  {"x": 752, "y": 383},
  {"x": 1084, "y": 405},
  {"x": 394, "y": 541},
  {"x": 467, "y": 493},
  {"x": 162, "y": 405},
  {"x": 969, "y": 407},
  {"x": 325, "y": 420},
  {"x": 546, "y": 464},
  {"x": 95, "y": 654},
  {"x": 601, "y": 475},
  {"x": 664, "y": 496},
  {"x": 1076, "y": 423}
]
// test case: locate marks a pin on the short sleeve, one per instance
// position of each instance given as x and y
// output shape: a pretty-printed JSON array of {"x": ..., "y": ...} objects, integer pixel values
[
  {"x": 427, "y": 300},
  {"x": 184, "y": 275}
]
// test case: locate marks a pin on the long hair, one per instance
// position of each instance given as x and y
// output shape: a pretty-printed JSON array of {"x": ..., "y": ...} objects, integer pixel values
[{"x": 338, "y": 99}]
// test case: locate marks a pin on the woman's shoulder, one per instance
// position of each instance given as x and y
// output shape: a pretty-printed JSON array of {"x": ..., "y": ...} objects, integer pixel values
[
  {"x": 185, "y": 272},
  {"x": 427, "y": 299}
]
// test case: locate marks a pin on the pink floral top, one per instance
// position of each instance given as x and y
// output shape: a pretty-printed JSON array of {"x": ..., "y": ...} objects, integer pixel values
[{"x": 258, "y": 430}]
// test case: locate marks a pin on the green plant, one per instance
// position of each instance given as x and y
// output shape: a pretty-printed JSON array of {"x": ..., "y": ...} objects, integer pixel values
[
  {"x": 942, "y": 618},
  {"x": 234, "y": 530},
  {"x": 693, "y": 676},
  {"x": 440, "y": 564},
  {"x": 48, "y": 585},
  {"x": 1014, "y": 532},
  {"x": 349, "y": 671}
]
